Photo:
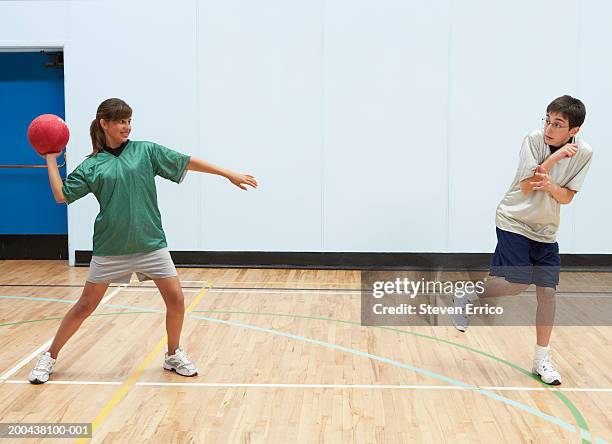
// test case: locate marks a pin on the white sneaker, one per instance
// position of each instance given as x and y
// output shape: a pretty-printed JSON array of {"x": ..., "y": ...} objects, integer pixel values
[
  {"x": 180, "y": 363},
  {"x": 460, "y": 318},
  {"x": 43, "y": 368},
  {"x": 545, "y": 369}
]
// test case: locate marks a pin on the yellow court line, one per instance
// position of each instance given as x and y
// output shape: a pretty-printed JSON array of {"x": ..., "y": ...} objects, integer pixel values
[{"x": 127, "y": 385}]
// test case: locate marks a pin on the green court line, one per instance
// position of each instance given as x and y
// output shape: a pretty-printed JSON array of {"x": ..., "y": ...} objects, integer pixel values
[
  {"x": 31, "y": 321},
  {"x": 585, "y": 434},
  {"x": 580, "y": 420},
  {"x": 35, "y": 298}
]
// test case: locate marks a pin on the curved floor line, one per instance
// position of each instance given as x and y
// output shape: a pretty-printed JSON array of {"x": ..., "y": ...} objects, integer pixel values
[
  {"x": 59, "y": 318},
  {"x": 585, "y": 434},
  {"x": 582, "y": 425},
  {"x": 580, "y": 420},
  {"x": 552, "y": 419},
  {"x": 36, "y": 298}
]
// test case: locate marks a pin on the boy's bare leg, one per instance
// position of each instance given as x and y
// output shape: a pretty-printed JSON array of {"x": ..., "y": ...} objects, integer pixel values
[{"x": 545, "y": 314}]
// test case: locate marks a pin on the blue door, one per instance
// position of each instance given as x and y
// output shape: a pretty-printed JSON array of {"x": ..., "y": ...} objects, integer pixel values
[{"x": 31, "y": 222}]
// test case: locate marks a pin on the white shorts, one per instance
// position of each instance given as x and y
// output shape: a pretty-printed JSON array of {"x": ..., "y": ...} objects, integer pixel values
[{"x": 152, "y": 265}]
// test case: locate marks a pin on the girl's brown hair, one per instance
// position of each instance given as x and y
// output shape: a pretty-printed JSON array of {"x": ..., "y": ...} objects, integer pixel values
[{"x": 110, "y": 109}]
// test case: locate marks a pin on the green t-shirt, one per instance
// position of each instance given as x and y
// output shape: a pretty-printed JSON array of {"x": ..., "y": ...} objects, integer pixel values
[{"x": 129, "y": 221}]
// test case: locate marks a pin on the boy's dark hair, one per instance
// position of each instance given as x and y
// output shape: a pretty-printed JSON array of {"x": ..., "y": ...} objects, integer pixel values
[{"x": 570, "y": 108}]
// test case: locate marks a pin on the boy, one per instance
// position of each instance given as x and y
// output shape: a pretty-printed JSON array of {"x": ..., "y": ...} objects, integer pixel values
[{"x": 552, "y": 168}]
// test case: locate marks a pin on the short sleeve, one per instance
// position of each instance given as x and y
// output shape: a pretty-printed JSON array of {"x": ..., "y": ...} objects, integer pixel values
[
  {"x": 169, "y": 164},
  {"x": 575, "y": 183},
  {"x": 528, "y": 159},
  {"x": 76, "y": 185}
]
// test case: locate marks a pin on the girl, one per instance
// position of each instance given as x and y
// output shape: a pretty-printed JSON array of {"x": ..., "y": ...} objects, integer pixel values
[{"x": 128, "y": 234}]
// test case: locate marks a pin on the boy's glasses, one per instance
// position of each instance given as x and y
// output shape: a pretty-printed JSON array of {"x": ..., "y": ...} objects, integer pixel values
[{"x": 546, "y": 121}]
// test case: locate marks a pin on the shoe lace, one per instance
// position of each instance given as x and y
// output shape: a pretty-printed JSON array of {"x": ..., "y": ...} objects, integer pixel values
[
  {"x": 44, "y": 362},
  {"x": 182, "y": 356},
  {"x": 547, "y": 365}
]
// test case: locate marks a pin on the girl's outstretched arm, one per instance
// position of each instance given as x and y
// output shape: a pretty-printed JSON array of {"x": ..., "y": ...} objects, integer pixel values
[{"x": 240, "y": 180}]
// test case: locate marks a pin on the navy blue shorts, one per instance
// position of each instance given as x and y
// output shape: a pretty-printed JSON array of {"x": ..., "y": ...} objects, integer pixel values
[{"x": 521, "y": 260}]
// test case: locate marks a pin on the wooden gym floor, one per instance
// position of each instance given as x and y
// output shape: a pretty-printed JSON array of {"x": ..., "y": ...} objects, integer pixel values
[{"x": 283, "y": 359}]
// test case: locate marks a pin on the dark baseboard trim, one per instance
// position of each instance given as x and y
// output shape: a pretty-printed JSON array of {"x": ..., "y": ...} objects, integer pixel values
[
  {"x": 34, "y": 246},
  {"x": 358, "y": 261}
]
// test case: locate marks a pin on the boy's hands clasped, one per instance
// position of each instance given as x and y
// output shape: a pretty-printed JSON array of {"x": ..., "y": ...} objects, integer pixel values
[{"x": 544, "y": 182}]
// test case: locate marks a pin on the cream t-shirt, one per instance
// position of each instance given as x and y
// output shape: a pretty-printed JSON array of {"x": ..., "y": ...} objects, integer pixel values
[{"x": 536, "y": 216}]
